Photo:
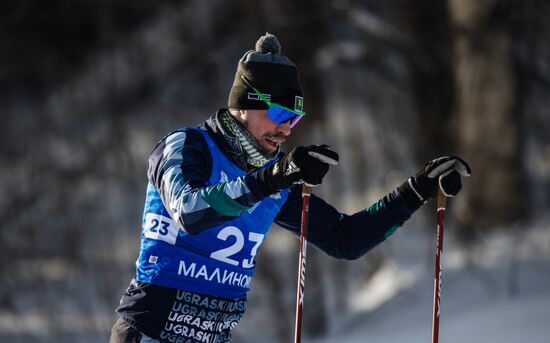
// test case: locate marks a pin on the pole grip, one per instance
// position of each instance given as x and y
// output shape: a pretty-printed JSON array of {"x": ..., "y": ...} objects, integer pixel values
[{"x": 441, "y": 200}]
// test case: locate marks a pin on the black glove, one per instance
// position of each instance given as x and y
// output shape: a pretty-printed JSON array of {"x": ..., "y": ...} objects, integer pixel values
[
  {"x": 307, "y": 164},
  {"x": 444, "y": 172}
]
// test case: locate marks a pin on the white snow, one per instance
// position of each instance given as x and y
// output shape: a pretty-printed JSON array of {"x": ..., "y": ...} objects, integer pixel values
[{"x": 499, "y": 291}]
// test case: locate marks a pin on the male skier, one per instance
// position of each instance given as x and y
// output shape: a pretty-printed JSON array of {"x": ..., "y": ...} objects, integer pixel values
[{"x": 214, "y": 192}]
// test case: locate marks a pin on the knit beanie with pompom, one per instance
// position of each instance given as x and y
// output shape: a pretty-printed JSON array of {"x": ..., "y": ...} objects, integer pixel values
[{"x": 271, "y": 73}]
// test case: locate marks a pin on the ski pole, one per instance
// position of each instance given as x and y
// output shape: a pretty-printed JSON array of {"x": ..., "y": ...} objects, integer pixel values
[
  {"x": 441, "y": 204},
  {"x": 306, "y": 193}
]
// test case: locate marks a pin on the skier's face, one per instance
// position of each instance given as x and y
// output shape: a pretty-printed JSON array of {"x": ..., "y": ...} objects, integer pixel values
[{"x": 268, "y": 134}]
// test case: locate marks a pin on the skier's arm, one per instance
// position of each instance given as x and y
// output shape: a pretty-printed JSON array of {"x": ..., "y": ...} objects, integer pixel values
[
  {"x": 179, "y": 168},
  {"x": 341, "y": 235},
  {"x": 351, "y": 236}
]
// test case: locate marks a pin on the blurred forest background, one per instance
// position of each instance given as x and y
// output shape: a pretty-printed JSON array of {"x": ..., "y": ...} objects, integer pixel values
[{"x": 87, "y": 88}]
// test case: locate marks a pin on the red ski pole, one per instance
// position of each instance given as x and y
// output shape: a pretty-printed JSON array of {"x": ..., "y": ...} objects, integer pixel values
[
  {"x": 306, "y": 193},
  {"x": 441, "y": 204}
]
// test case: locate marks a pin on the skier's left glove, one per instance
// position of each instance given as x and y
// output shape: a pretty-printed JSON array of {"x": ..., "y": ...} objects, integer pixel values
[
  {"x": 304, "y": 164},
  {"x": 443, "y": 172}
]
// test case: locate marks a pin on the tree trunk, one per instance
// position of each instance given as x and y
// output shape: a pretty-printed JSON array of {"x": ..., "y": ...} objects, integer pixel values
[
  {"x": 488, "y": 112},
  {"x": 432, "y": 84}
]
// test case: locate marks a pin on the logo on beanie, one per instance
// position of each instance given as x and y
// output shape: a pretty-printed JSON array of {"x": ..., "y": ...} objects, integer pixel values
[
  {"x": 255, "y": 96},
  {"x": 298, "y": 103}
]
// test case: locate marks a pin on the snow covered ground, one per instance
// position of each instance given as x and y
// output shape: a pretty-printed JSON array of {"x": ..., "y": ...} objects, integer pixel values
[
  {"x": 497, "y": 292},
  {"x": 502, "y": 294}
]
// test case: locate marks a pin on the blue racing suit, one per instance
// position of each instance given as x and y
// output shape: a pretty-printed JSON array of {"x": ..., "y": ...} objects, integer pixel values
[{"x": 204, "y": 221}]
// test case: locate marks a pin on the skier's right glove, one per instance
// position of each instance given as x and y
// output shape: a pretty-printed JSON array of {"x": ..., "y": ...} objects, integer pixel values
[
  {"x": 443, "y": 172},
  {"x": 304, "y": 164}
]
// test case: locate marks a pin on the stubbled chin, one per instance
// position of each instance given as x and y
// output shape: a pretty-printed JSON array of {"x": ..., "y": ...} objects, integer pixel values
[{"x": 269, "y": 147}]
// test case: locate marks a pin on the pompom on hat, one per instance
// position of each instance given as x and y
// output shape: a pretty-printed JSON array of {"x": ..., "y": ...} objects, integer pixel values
[{"x": 267, "y": 70}]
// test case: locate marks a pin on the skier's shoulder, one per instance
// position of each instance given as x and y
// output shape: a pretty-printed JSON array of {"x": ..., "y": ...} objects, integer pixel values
[
  {"x": 184, "y": 138},
  {"x": 191, "y": 137},
  {"x": 185, "y": 145}
]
